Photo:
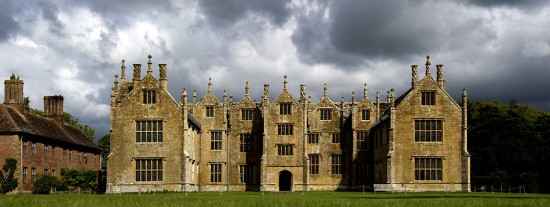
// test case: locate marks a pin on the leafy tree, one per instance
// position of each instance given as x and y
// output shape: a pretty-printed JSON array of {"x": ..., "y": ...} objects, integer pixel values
[
  {"x": 105, "y": 145},
  {"x": 79, "y": 178},
  {"x": 8, "y": 182},
  {"x": 45, "y": 183}
]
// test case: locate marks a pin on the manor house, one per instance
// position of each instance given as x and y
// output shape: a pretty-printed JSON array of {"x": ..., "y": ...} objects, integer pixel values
[{"x": 413, "y": 142}]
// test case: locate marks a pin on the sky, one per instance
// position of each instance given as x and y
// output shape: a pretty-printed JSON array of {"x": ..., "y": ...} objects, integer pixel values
[{"x": 495, "y": 49}]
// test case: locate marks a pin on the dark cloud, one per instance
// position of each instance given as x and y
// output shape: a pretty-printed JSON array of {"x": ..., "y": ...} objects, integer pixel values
[
  {"x": 7, "y": 23},
  {"x": 224, "y": 13},
  {"x": 509, "y": 3}
]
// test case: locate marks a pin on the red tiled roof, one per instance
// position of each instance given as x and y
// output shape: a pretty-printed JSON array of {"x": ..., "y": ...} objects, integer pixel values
[{"x": 14, "y": 120}]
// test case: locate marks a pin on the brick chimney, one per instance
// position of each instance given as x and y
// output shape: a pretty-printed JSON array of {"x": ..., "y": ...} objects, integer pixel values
[
  {"x": 53, "y": 108},
  {"x": 13, "y": 90}
]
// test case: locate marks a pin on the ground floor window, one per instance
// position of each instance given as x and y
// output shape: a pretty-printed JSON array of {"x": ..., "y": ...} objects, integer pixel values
[
  {"x": 427, "y": 168},
  {"x": 336, "y": 164},
  {"x": 313, "y": 164},
  {"x": 24, "y": 175},
  {"x": 246, "y": 173},
  {"x": 216, "y": 173},
  {"x": 149, "y": 169}
]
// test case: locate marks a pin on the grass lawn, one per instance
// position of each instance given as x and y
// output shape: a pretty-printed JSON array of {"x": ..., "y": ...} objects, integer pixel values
[{"x": 317, "y": 199}]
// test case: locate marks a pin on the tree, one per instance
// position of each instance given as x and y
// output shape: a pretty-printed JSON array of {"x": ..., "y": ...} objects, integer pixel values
[
  {"x": 8, "y": 183},
  {"x": 105, "y": 145},
  {"x": 79, "y": 178},
  {"x": 45, "y": 183}
]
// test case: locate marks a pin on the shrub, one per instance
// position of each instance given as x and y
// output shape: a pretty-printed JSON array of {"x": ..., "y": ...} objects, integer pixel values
[
  {"x": 8, "y": 182},
  {"x": 46, "y": 182},
  {"x": 79, "y": 178}
]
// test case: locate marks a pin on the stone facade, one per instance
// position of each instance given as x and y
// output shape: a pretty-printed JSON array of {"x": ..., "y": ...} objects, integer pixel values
[
  {"x": 288, "y": 144},
  {"x": 41, "y": 144}
]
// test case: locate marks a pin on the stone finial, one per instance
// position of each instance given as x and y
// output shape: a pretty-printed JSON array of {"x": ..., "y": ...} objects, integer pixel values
[
  {"x": 392, "y": 96},
  {"x": 246, "y": 89},
  {"x": 365, "y": 95},
  {"x": 224, "y": 96},
  {"x": 428, "y": 65},
  {"x": 209, "y": 84},
  {"x": 342, "y": 100},
  {"x": 149, "y": 65},
  {"x": 284, "y": 83},
  {"x": 122, "y": 71},
  {"x": 414, "y": 77},
  {"x": 377, "y": 97},
  {"x": 266, "y": 91},
  {"x": 115, "y": 87},
  {"x": 230, "y": 98},
  {"x": 303, "y": 91},
  {"x": 194, "y": 95},
  {"x": 464, "y": 98},
  {"x": 353, "y": 96},
  {"x": 325, "y": 90},
  {"x": 184, "y": 95}
]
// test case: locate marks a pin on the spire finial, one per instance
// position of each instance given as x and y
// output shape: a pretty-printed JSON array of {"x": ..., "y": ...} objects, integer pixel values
[
  {"x": 194, "y": 95},
  {"x": 149, "y": 64},
  {"x": 224, "y": 96},
  {"x": 325, "y": 90},
  {"x": 209, "y": 84},
  {"x": 184, "y": 96},
  {"x": 428, "y": 65},
  {"x": 123, "y": 71},
  {"x": 246, "y": 89},
  {"x": 284, "y": 84},
  {"x": 365, "y": 91},
  {"x": 352, "y": 97}
]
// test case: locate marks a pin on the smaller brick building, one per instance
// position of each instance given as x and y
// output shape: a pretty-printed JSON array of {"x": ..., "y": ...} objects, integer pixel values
[{"x": 41, "y": 144}]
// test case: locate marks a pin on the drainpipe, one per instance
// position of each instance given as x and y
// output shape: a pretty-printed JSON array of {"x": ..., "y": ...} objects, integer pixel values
[{"x": 21, "y": 165}]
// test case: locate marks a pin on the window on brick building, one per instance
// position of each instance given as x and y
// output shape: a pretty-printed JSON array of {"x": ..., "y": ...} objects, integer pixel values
[
  {"x": 64, "y": 154},
  {"x": 53, "y": 151},
  {"x": 428, "y": 131},
  {"x": 313, "y": 164},
  {"x": 336, "y": 167},
  {"x": 45, "y": 150},
  {"x": 149, "y": 130},
  {"x": 25, "y": 175},
  {"x": 149, "y": 169},
  {"x": 70, "y": 155},
  {"x": 428, "y": 97},
  {"x": 209, "y": 111},
  {"x": 45, "y": 171},
  {"x": 33, "y": 175},
  {"x": 365, "y": 114},
  {"x": 285, "y": 129},
  {"x": 149, "y": 97},
  {"x": 85, "y": 158},
  {"x": 285, "y": 149},
  {"x": 245, "y": 142},
  {"x": 326, "y": 114},
  {"x": 33, "y": 146},
  {"x": 79, "y": 155},
  {"x": 216, "y": 173},
  {"x": 246, "y": 174},
  {"x": 428, "y": 168},
  {"x": 285, "y": 108},
  {"x": 53, "y": 172},
  {"x": 313, "y": 138},
  {"x": 24, "y": 147},
  {"x": 246, "y": 114},
  {"x": 215, "y": 140}
]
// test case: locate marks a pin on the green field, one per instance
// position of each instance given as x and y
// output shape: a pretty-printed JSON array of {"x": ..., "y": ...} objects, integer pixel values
[{"x": 229, "y": 199}]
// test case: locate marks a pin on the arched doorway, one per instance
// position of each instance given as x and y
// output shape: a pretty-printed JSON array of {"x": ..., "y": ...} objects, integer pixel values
[{"x": 285, "y": 181}]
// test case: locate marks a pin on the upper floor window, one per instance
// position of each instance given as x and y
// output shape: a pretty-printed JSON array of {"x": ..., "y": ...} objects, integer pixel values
[
  {"x": 362, "y": 140},
  {"x": 428, "y": 97},
  {"x": 285, "y": 149},
  {"x": 149, "y": 131},
  {"x": 45, "y": 150},
  {"x": 53, "y": 151},
  {"x": 285, "y": 129},
  {"x": 246, "y": 114},
  {"x": 365, "y": 114},
  {"x": 285, "y": 108},
  {"x": 428, "y": 131},
  {"x": 336, "y": 138},
  {"x": 216, "y": 140},
  {"x": 313, "y": 138},
  {"x": 24, "y": 147},
  {"x": 209, "y": 111},
  {"x": 326, "y": 114},
  {"x": 149, "y": 97},
  {"x": 246, "y": 142},
  {"x": 428, "y": 168},
  {"x": 33, "y": 146}
]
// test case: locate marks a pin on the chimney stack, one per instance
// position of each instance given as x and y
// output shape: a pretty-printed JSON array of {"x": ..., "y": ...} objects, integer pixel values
[
  {"x": 13, "y": 90},
  {"x": 137, "y": 74},
  {"x": 163, "y": 79},
  {"x": 53, "y": 108},
  {"x": 440, "y": 80},
  {"x": 414, "y": 78}
]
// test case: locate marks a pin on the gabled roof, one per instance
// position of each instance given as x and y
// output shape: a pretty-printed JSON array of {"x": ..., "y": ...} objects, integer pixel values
[{"x": 18, "y": 121}]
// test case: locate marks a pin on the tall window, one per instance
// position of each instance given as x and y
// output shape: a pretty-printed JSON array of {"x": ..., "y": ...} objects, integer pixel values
[
  {"x": 216, "y": 173},
  {"x": 285, "y": 149},
  {"x": 149, "y": 97},
  {"x": 53, "y": 151},
  {"x": 285, "y": 108},
  {"x": 313, "y": 138},
  {"x": 428, "y": 98},
  {"x": 313, "y": 164},
  {"x": 362, "y": 140},
  {"x": 326, "y": 114},
  {"x": 25, "y": 175},
  {"x": 33, "y": 146},
  {"x": 70, "y": 155},
  {"x": 216, "y": 140},
  {"x": 45, "y": 150},
  {"x": 428, "y": 168},
  {"x": 209, "y": 111},
  {"x": 85, "y": 158},
  {"x": 149, "y": 169},
  {"x": 285, "y": 129},
  {"x": 246, "y": 174},
  {"x": 336, "y": 164},
  {"x": 64, "y": 154},
  {"x": 336, "y": 138},
  {"x": 365, "y": 114},
  {"x": 246, "y": 142},
  {"x": 24, "y": 147},
  {"x": 428, "y": 131},
  {"x": 79, "y": 156},
  {"x": 246, "y": 114},
  {"x": 149, "y": 131},
  {"x": 33, "y": 175}
]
